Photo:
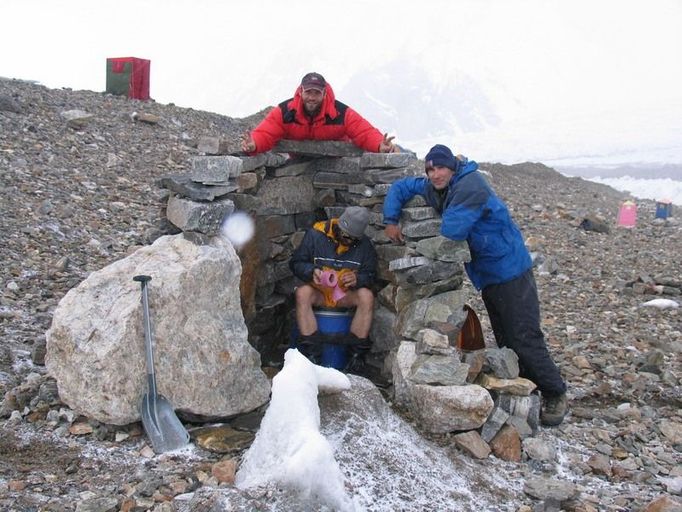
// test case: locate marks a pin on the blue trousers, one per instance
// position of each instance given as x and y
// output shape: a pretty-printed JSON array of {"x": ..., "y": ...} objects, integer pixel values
[{"x": 514, "y": 312}]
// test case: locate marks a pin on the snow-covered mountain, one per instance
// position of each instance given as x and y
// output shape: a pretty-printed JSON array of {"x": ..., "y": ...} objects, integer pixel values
[
  {"x": 477, "y": 115},
  {"x": 401, "y": 98}
]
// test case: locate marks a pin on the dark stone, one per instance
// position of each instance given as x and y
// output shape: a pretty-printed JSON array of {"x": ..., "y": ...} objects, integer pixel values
[
  {"x": 7, "y": 104},
  {"x": 592, "y": 223},
  {"x": 333, "y": 180},
  {"x": 292, "y": 168},
  {"x": 318, "y": 148},
  {"x": 429, "y": 273},
  {"x": 38, "y": 352},
  {"x": 276, "y": 225},
  {"x": 183, "y": 185},
  {"x": 304, "y": 220}
]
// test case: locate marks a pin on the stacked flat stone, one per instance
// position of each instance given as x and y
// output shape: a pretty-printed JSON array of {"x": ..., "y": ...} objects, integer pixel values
[
  {"x": 420, "y": 307},
  {"x": 449, "y": 390},
  {"x": 198, "y": 201},
  {"x": 425, "y": 277},
  {"x": 286, "y": 194}
]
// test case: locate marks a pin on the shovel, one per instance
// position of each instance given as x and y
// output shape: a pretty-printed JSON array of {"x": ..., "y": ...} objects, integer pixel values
[{"x": 164, "y": 429}]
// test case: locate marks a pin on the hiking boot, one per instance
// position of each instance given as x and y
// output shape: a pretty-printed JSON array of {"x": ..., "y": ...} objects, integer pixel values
[
  {"x": 355, "y": 365},
  {"x": 358, "y": 366},
  {"x": 310, "y": 346},
  {"x": 554, "y": 410}
]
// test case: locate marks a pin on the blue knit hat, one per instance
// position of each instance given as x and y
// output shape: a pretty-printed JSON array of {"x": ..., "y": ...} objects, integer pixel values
[{"x": 441, "y": 155}]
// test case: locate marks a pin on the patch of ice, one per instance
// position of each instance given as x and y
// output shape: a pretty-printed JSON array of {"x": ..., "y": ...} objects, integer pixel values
[
  {"x": 289, "y": 448},
  {"x": 661, "y": 304}
]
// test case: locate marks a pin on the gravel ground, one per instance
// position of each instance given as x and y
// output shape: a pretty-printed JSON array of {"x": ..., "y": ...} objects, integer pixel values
[{"x": 76, "y": 200}]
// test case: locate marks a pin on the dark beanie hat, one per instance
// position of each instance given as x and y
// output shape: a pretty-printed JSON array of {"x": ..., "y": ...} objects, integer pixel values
[
  {"x": 313, "y": 81},
  {"x": 441, "y": 155}
]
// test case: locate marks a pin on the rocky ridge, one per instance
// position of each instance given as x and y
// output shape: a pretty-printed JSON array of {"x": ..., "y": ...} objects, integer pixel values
[{"x": 76, "y": 198}]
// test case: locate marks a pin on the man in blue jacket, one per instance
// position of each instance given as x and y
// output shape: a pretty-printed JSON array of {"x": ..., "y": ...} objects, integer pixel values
[
  {"x": 338, "y": 245},
  {"x": 500, "y": 263}
]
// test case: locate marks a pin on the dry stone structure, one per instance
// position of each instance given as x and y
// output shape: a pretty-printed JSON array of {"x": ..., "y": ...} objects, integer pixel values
[{"x": 420, "y": 308}]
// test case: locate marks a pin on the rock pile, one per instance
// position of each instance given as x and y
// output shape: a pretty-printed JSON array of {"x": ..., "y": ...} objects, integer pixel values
[
  {"x": 285, "y": 196},
  {"x": 420, "y": 283}
]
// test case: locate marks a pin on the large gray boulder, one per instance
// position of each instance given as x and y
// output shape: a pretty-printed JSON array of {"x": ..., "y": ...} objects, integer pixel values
[
  {"x": 437, "y": 409},
  {"x": 203, "y": 361},
  {"x": 441, "y": 409}
]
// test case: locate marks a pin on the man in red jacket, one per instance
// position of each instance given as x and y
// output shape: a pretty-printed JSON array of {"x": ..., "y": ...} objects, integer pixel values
[{"x": 315, "y": 114}]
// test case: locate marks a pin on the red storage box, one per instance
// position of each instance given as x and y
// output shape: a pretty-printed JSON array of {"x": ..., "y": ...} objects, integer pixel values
[{"x": 128, "y": 76}]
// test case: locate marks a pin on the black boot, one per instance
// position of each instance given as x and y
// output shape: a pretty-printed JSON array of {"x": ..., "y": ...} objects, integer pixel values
[
  {"x": 310, "y": 346},
  {"x": 357, "y": 350},
  {"x": 555, "y": 408}
]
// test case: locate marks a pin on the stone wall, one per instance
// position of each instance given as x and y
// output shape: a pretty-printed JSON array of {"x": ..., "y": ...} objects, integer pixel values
[
  {"x": 285, "y": 196},
  {"x": 420, "y": 309}
]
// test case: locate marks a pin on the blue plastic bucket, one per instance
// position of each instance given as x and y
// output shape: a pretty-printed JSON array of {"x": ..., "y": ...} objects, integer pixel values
[{"x": 333, "y": 322}]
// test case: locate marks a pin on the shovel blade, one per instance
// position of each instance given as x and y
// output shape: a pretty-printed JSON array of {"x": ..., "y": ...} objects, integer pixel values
[{"x": 164, "y": 429}]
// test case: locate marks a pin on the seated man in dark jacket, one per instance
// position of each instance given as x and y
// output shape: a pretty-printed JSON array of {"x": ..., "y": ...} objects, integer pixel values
[
  {"x": 315, "y": 114},
  {"x": 500, "y": 263},
  {"x": 337, "y": 245}
]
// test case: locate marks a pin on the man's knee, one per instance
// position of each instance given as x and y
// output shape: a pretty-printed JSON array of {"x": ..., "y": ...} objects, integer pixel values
[
  {"x": 305, "y": 295},
  {"x": 365, "y": 298}
]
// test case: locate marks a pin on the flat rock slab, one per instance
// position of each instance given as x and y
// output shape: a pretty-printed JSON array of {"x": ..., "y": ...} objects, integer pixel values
[
  {"x": 182, "y": 184},
  {"x": 318, "y": 148},
  {"x": 222, "y": 439}
]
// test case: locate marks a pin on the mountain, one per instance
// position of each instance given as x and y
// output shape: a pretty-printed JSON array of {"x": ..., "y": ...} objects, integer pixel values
[
  {"x": 418, "y": 108},
  {"x": 635, "y": 170}
]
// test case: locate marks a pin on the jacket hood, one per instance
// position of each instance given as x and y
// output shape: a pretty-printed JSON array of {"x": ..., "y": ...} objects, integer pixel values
[
  {"x": 328, "y": 227},
  {"x": 466, "y": 167}
]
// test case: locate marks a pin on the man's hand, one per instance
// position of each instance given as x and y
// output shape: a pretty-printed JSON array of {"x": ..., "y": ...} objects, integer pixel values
[
  {"x": 348, "y": 280},
  {"x": 386, "y": 145},
  {"x": 248, "y": 145},
  {"x": 393, "y": 232},
  {"x": 316, "y": 276}
]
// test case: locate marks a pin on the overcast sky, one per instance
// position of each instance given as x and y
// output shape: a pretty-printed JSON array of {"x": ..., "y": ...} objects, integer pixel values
[{"x": 586, "y": 65}]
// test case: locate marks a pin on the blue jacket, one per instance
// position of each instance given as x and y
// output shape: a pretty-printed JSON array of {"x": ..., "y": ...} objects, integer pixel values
[{"x": 470, "y": 211}]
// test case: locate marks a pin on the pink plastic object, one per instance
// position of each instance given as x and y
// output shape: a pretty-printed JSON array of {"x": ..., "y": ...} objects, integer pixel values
[
  {"x": 627, "y": 215},
  {"x": 338, "y": 293},
  {"x": 329, "y": 278}
]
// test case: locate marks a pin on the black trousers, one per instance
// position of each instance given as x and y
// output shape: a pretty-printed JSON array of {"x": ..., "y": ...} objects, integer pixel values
[{"x": 514, "y": 312}]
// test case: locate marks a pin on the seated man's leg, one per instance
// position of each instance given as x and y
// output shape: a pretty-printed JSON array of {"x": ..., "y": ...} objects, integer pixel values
[
  {"x": 307, "y": 297},
  {"x": 362, "y": 300},
  {"x": 307, "y": 343}
]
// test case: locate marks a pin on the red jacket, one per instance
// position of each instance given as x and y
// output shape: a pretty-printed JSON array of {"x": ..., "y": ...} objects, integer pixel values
[{"x": 335, "y": 121}]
